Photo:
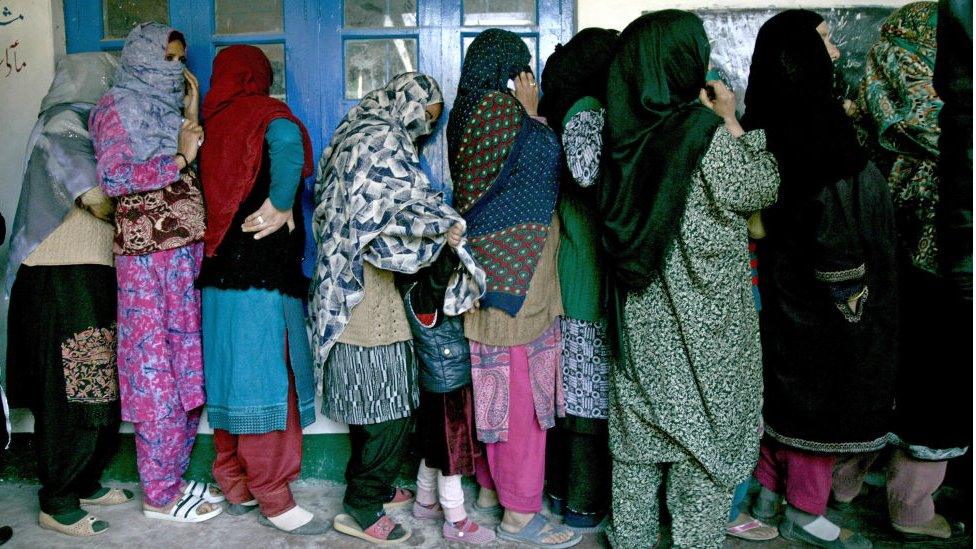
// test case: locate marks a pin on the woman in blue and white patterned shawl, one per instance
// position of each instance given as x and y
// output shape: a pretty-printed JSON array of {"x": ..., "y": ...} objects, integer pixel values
[{"x": 376, "y": 215}]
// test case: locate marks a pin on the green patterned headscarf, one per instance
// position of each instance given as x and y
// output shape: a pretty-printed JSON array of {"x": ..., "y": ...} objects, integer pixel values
[{"x": 900, "y": 111}]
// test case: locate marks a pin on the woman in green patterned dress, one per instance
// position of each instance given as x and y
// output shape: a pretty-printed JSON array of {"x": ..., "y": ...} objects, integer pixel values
[{"x": 681, "y": 181}]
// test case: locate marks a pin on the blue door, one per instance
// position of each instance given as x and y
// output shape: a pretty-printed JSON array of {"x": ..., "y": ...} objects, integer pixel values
[{"x": 328, "y": 53}]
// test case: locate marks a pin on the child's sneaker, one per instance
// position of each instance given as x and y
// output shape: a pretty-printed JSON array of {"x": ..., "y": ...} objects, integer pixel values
[{"x": 468, "y": 531}]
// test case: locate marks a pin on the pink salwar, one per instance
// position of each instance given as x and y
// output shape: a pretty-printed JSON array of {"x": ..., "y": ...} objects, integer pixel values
[
  {"x": 160, "y": 363},
  {"x": 804, "y": 477},
  {"x": 515, "y": 468}
]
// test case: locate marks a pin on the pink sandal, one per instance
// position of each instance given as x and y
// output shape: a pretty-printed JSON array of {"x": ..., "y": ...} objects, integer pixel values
[
  {"x": 753, "y": 530},
  {"x": 401, "y": 498},
  {"x": 469, "y": 532}
]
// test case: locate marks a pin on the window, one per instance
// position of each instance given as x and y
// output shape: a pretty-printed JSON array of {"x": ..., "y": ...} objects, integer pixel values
[
  {"x": 499, "y": 13},
  {"x": 379, "y": 13},
  {"x": 253, "y": 16},
  {"x": 370, "y": 64},
  {"x": 119, "y": 16}
]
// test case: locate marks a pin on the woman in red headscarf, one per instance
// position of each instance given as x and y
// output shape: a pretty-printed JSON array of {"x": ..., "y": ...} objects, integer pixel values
[{"x": 257, "y": 361}]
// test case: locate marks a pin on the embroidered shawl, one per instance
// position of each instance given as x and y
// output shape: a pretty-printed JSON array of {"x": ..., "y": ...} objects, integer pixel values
[{"x": 373, "y": 203}]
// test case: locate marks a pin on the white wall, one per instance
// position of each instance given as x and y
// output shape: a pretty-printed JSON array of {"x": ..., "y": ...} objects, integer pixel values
[
  {"x": 29, "y": 24},
  {"x": 616, "y": 14}
]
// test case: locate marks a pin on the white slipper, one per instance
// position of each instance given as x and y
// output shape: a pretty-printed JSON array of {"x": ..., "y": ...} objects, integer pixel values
[
  {"x": 184, "y": 511},
  {"x": 207, "y": 492}
]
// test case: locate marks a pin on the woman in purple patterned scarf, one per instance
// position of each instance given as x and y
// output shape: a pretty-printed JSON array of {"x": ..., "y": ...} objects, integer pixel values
[{"x": 146, "y": 133}]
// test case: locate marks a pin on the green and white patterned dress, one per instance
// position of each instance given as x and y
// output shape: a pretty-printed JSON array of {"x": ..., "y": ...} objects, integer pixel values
[{"x": 690, "y": 391}]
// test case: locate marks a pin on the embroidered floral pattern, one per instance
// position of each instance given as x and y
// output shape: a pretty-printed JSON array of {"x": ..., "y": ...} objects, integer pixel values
[{"x": 90, "y": 374}]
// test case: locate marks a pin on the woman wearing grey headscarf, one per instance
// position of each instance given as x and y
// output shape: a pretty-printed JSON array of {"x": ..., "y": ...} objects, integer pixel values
[{"x": 61, "y": 284}]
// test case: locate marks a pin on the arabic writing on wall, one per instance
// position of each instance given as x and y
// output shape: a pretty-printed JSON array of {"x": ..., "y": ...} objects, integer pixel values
[{"x": 13, "y": 55}]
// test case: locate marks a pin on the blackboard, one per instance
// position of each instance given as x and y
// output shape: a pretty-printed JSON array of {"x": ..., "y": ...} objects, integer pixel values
[{"x": 732, "y": 33}]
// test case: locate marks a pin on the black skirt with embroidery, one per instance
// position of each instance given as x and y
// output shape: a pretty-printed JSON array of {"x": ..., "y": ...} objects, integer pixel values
[{"x": 61, "y": 343}]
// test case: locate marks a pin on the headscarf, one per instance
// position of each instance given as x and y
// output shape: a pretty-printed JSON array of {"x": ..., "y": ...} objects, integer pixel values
[
  {"x": 494, "y": 57},
  {"x": 373, "y": 203},
  {"x": 148, "y": 92},
  {"x": 657, "y": 134},
  {"x": 237, "y": 111},
  {"x": 790, "y": 96},
  {"x": 576, "y": 70},
  {"x": 506, "y": 169},
  {"x": 900, "y": 111},
  {"x": 60, "y": 163}
]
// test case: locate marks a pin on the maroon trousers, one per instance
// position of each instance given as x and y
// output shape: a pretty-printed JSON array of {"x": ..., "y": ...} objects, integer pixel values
[
  {"x": 261, "y": 466},
  {"x": 804, "y": 477}
]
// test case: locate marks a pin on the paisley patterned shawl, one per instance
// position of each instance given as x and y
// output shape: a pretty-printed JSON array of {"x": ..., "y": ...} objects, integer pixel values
[
  {"x": 373, "y": 203},
  {"x": 900, "y": 109},
  {"x": 505, "y": 166}
]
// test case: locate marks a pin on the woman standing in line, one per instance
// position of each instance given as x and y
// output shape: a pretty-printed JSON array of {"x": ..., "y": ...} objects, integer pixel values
[
  {"x": 256, "y": 357},
  {"x": 145, "y": 133},
  {"x": 682, "y": 179},
  {"x": 578, "y": 459},
  {"x": 505, "y": 165},
  {"x": 376, "y": 215},
  {"x": 828, "y": 290},
  {"x": 900, "y": 110},
  {"x": 61, "y": 284}
]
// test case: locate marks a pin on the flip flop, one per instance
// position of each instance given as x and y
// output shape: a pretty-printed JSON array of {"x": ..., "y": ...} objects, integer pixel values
[
  {"x": 347, "y": 525},
  {"x": 753, "y": 530},
  {"x": 532, "y": 534},
  {"x": 83, "y": 528}
]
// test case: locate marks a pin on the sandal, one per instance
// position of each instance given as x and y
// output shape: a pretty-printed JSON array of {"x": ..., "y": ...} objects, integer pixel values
[
  {"x": 209, "y": 493},
  {"x": 377, "y": 534},
  {"x": 238, "y": 509},
  {"x": 423, "y": 512},
  {"x": 752, "y": 530},
  {"x": 184, "y": 511},
  {"x": 470, "y": 532},
  {"x": 83, "y": 528},
  {"x": 532, "y": 534},
  {"x": 314, "y": 527},
  {"x": 114, "y": 496},
  {"x": 401, "y": 498}
]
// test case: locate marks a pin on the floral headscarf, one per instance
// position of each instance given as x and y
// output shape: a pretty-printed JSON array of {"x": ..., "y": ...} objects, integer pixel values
[
  {"x": 899, "y": 109},
  {"x": 373, "y": 203}
]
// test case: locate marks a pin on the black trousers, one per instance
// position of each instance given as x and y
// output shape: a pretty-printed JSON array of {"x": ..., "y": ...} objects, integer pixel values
[
  {"x": 70, "y": 459},
  {"x": 578, "y": 464},
  {"x": 378, "y": 452}
]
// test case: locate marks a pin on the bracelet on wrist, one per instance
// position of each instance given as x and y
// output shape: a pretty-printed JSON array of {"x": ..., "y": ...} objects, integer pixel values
[{"x": 186, "y": 161}]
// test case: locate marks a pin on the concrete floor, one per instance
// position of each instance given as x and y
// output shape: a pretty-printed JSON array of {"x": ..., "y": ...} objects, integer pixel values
[{"x": 129, "y": 529}]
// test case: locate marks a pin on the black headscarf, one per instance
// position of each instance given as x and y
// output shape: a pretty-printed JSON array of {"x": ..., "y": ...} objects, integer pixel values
[
  {"x": 576, "y": 70},
  {"x": 657, "y": 133},
  {"x": 790, "y": 96},
  {"x": 494, "y": 57}
]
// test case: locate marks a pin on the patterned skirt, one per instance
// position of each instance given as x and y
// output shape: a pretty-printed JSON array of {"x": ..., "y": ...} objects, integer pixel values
[
  {"x": 586, "y": 368},
  {"x": 62, "y": 343},
  {"x": 366, "y": 385}
]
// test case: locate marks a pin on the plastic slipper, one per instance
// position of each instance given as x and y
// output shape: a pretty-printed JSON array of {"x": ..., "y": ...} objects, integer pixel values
[
  {"x": 493, "y": 509},
  {"x": 314, "y": 527},
  {"x": 401, "y": 498},
  {"x": 84, "y": 528},
  {"x": 204, "y": 490},
  {"x": 185, "y": 510},
  {"x": 238, "y": 509},
  {"x": 347, "y": 525},
  {"x": 753, "y": 530},
  {"x": 532, "y": 534},
  {"x": 115, "y": 496}
]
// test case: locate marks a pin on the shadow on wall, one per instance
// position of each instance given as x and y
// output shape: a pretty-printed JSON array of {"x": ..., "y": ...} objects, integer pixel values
[{"x": 733, "y": 35}]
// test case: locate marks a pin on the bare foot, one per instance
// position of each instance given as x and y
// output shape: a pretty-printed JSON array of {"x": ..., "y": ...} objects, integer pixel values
[
  {"x": 513, "y": 522},
  {"x": 201, "y": 509},
  {"x": 487, "y": 498}
]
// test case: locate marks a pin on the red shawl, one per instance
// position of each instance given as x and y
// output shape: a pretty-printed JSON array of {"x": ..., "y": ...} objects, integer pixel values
[{"x": 237, "y": 111}]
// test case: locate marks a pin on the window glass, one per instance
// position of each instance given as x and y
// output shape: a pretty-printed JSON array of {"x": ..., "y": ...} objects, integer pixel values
[
  {"x": 120, "y": 16},
  {"x": 276, "y": 54},
  {"x": 379, "y": 13},
  {"x": 499, "y": 12},
  {"x": 370, "y": 64},
  {"x": 253, "y": 16}
]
